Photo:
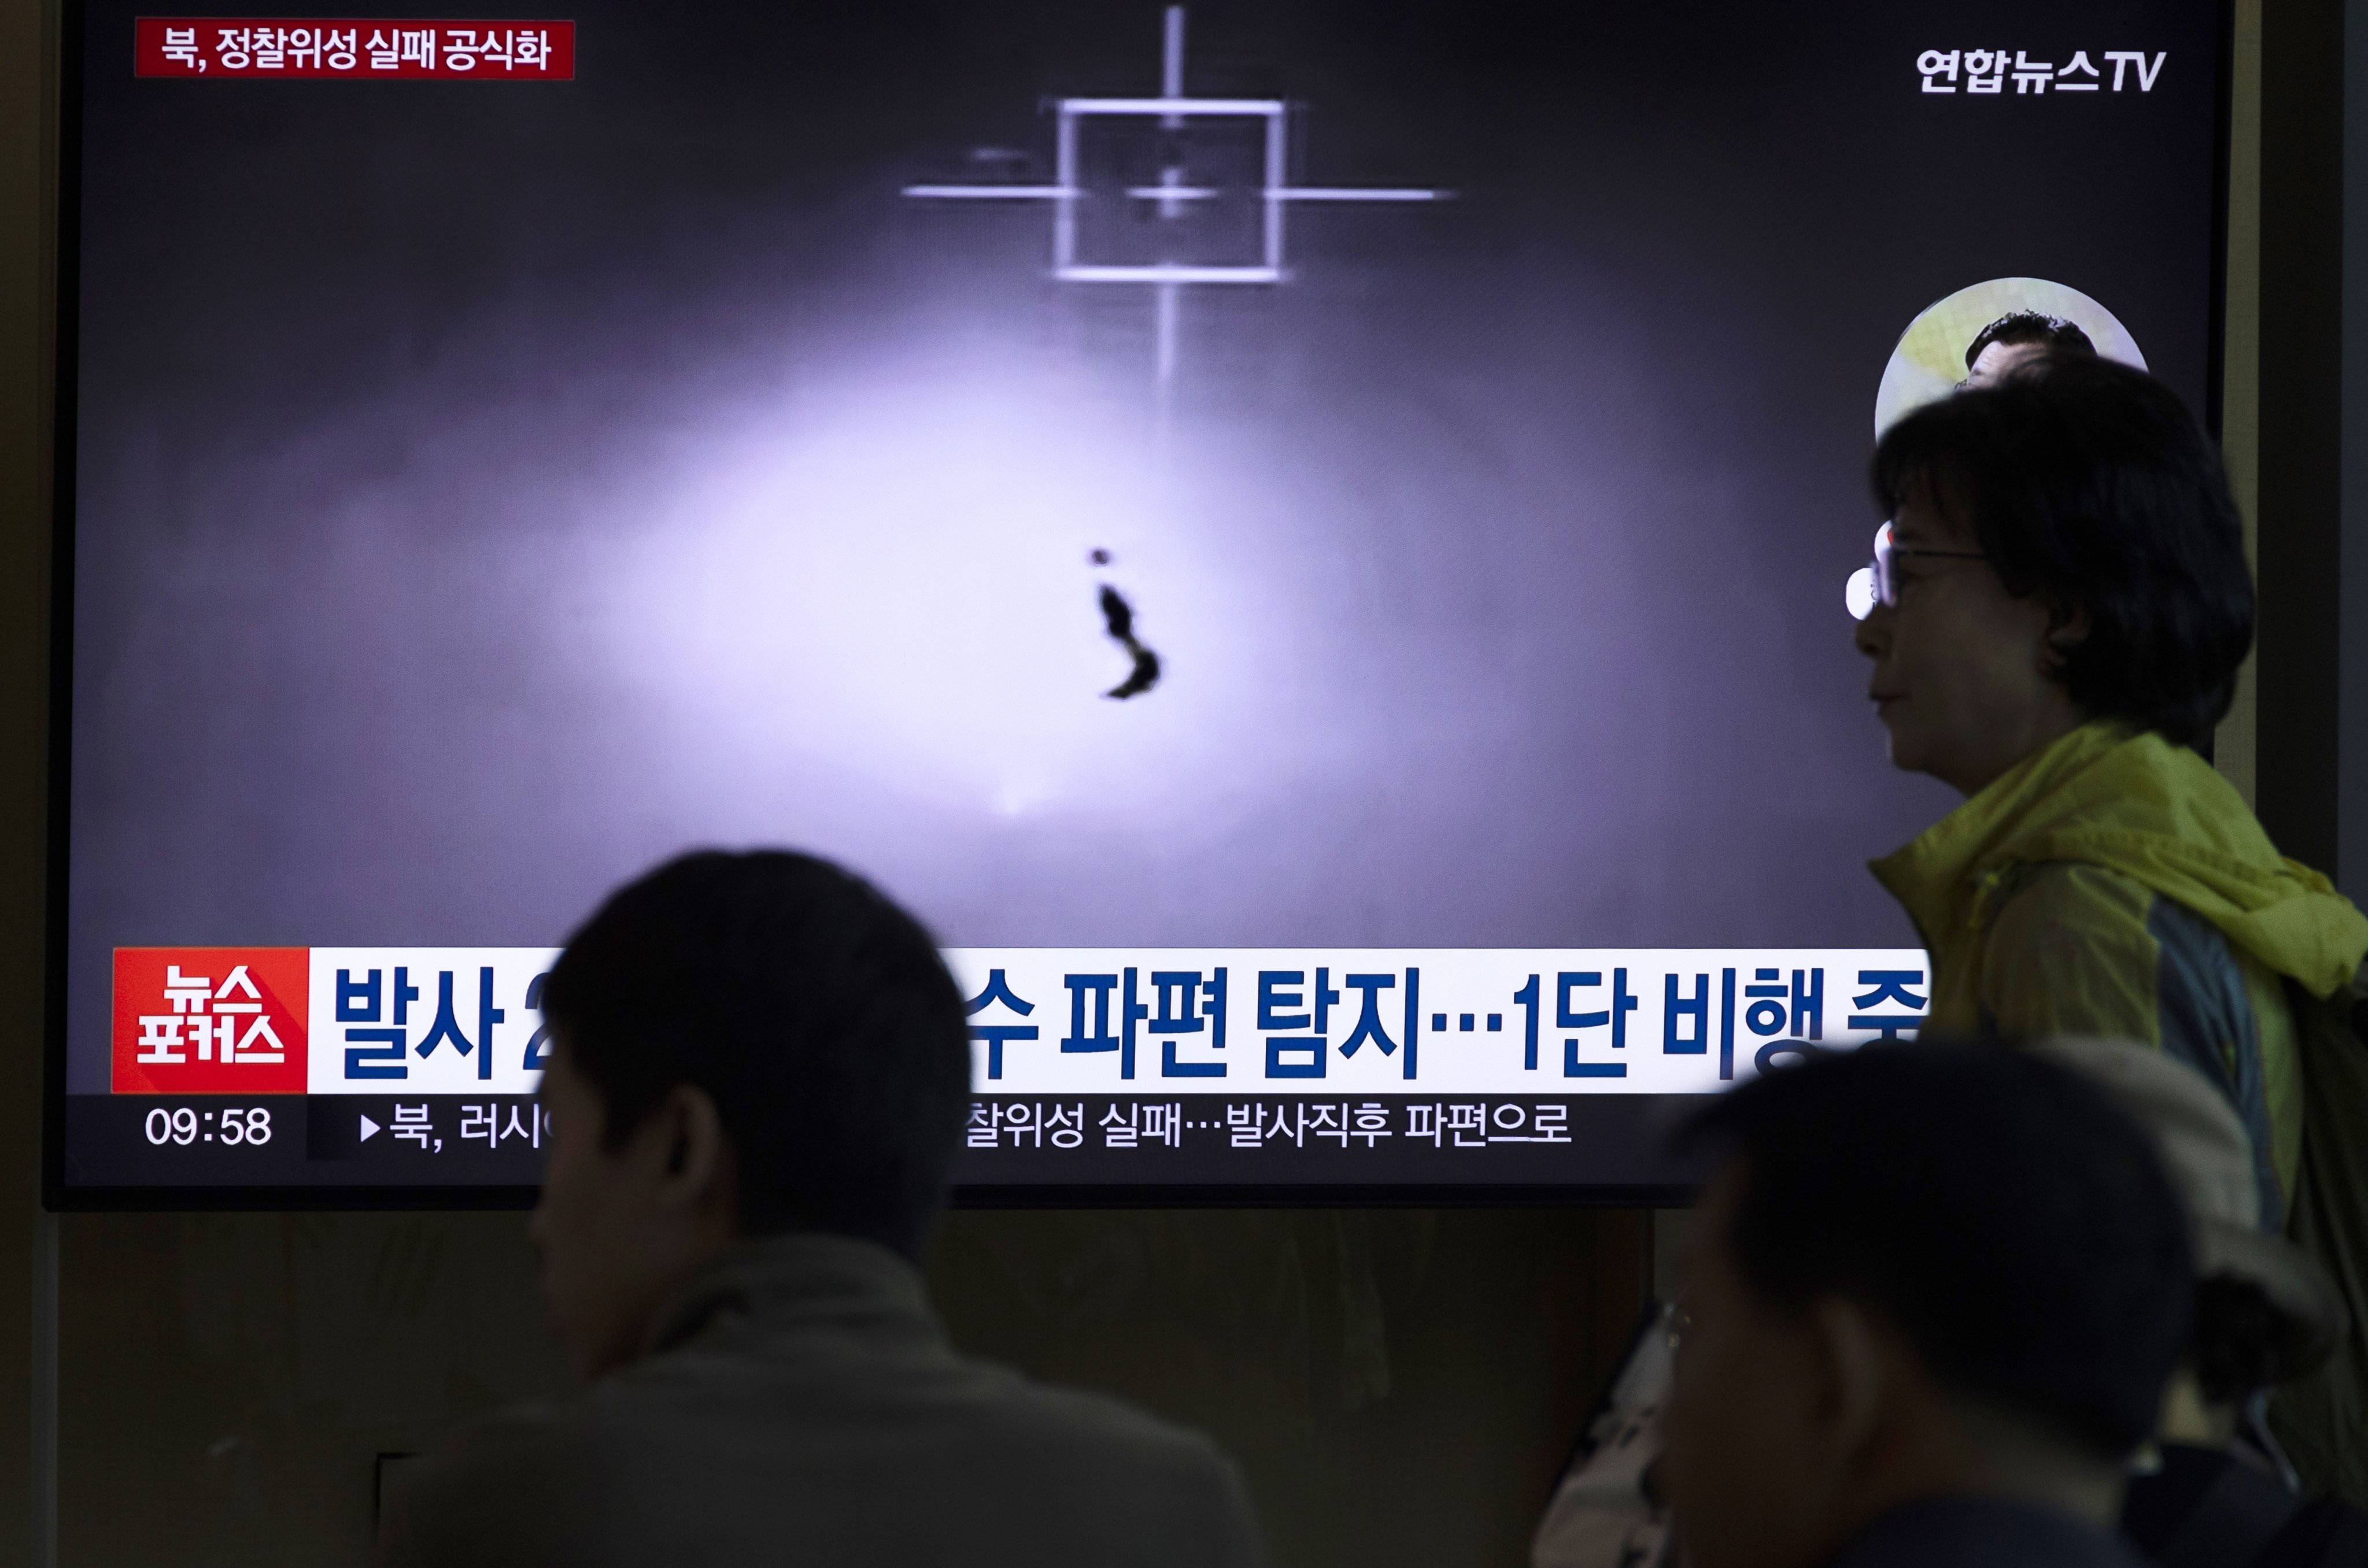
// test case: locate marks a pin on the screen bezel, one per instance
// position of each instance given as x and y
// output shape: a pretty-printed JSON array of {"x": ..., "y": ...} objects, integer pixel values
[{"x": 57, "y": 1196}]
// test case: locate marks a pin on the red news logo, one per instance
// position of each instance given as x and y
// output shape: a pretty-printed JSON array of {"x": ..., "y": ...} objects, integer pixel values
[{"x": 210, "y": 1020}]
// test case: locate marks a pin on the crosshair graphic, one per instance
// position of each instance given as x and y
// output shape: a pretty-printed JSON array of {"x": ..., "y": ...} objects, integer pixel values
[{"x": 1173, "y": 193}]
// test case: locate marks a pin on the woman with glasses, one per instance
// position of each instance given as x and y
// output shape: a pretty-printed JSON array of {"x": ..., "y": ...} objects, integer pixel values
[{"x": 2057, "y": 608}]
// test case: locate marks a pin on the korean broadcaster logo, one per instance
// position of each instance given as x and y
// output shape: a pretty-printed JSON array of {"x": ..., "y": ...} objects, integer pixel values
[{"x": 210, "y": 1020}]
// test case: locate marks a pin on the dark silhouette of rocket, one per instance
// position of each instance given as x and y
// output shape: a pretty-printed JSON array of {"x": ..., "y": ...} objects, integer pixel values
[{"x": 1119, "y": 616}]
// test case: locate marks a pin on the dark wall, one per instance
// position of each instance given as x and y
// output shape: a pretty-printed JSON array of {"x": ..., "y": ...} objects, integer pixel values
[
  {"x": 25, "y": 163},
  {"x": 2351, "y": 762},
  {"x": 2301, "y": 428}
]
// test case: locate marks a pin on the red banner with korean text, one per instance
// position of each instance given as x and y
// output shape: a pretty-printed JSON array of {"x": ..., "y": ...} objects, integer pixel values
[
  {"x": 229, "y": 49},
  {"x": 210, "y": 1020}
]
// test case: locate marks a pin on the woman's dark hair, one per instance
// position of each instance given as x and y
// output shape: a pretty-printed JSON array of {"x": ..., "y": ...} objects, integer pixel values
[
  {"x": 2239, "y": 1339},
  {"x": 817, "y": 1014},
  {"x": 2090, "y": 487}
]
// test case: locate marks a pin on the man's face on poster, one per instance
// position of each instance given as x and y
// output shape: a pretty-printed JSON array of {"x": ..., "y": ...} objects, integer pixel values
[{"x": 1992, "y": 365}]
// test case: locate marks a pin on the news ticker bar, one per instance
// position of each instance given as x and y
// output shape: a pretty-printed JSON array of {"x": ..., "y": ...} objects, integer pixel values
[
  {"x": 1011, "y": 1141},
  {"x": 1066, "y": 1021}
]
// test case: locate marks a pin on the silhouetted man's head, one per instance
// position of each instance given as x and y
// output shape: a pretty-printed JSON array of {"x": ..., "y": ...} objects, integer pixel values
[
  {"x": 741, "y": 1044},
  {"x": 1923, "y": 1270}
]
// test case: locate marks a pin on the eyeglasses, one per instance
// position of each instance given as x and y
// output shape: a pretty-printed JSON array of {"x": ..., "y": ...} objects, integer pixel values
[{"x": 1879, "y": 584}]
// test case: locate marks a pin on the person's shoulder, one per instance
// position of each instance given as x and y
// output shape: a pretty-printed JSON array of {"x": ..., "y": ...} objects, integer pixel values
[
  {"x": 2326, "y": 1533},
  {"x": 1967, "y": 1532},
  {"x": 1105, "y": 1460},
  {"x": 543, "y": 1481},
  {"x": 495, "y": 1491},
  {"x": 1104, "y": 1433},
  {"x": 2069, "y": 899},
  {"x": 1094, "y": 1418},
  {"x": 2068, "y": 949}
]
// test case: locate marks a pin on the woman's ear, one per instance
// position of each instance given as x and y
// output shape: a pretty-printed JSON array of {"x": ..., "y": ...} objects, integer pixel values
[{"x": 2067, "y": 629}]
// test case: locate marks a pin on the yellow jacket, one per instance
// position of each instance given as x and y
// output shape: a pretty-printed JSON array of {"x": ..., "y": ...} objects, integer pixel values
[{"x": 2115, "y": 884}]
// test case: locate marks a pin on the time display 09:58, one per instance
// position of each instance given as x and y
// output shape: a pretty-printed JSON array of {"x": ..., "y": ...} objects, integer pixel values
[{"x": 231, "y": 1124}]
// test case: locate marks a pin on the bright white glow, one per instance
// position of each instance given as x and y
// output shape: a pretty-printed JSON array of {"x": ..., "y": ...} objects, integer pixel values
[
  {"x": 1858, "y": 594},
  {"x": 1171, "y": 53},
  {"x": 1164, "y": 313},
  {"x": 1355, "y": 193},
  {"x": 1206, "y": 192},
  {"x": 1169, "y": 273},
  {"x": 994, "y": 192},
  {"x": 1172, "y": 106},
  {"x": 884, "y": 571}
]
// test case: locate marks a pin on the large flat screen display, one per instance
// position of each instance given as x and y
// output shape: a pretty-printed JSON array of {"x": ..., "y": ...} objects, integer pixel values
[{"x": 1308, "y": 540}]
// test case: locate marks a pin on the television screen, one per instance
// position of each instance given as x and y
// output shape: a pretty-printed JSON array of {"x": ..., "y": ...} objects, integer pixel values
[{"x": 1312, "y": 543}]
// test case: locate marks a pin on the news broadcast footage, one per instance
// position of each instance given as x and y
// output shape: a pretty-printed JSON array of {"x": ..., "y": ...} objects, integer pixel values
[{"x": 1305, "y": 541}]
